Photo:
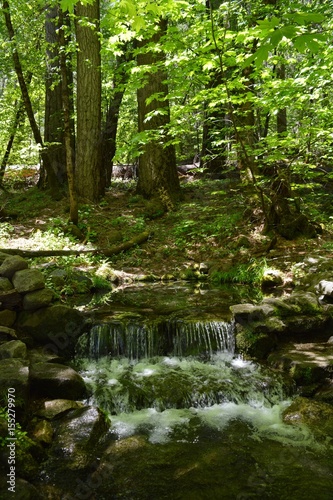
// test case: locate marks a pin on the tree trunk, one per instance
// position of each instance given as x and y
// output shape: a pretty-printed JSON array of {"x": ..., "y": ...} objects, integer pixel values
[
  {"x": 88, "y": 140},
  {"x": 53, "y": 124},
  {"x": 157, "y": 164},
  {"x": 52, "y": 179},
  {"x": 110, "y": 125},
  {"x": 65, "y": 98}
]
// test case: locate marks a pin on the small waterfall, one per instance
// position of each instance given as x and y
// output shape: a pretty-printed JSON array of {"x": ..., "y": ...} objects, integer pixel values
[{"x": 135, "y": 340}]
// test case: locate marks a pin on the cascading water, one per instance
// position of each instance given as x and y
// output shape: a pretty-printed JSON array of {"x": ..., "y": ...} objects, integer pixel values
[
  {"x": 191, "y": 420},
  {"x": 134, "y": 340},
  {"x": 151, "y": 371}
]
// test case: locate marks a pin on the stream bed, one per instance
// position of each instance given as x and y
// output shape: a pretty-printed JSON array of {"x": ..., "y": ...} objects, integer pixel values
[{"x": 190, "y": 419}]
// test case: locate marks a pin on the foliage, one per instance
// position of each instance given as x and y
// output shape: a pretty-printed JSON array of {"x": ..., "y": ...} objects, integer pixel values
[
  {"x": 250, "y": 273},
  {"x": 20, "y": 435}
]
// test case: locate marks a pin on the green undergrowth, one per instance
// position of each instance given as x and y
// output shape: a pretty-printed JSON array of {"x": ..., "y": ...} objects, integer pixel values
[{"x": 250, "y": 273}]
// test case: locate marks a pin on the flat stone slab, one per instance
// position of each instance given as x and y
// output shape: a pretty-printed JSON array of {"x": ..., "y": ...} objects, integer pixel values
[{"x": 57, "y": 408}]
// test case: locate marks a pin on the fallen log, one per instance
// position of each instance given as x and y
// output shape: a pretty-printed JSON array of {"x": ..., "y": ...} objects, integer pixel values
[{"x": 107, "y": 252}]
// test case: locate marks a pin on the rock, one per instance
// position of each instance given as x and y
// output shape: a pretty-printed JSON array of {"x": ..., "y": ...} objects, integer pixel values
[
  {"x": 316, "y": 415},
  {"x": 306, "y": 301},
  {"x": 245, "y": 313},
  {"x": 56, "y": 327},
  {"x": 77, "y": 437},
  {"x": 5, "y": 284},
  {"x": 28, "y": 280},
  {"x": 7, "y": 318},
  {"x": 13, "y": 349},
  {"x": 4, "y": 256},
  {"x": 43, "y": 432},
  {"x": 283, "y": 309},
  {"x": 38, "y": 298},
  {"x": 57, "y": 408},
  {"x": 58, "y": 277},
  {"x": 11, "y": 265},
  {"x": 271, "y": 279},
  {"x": 7, "y": 333},
  {"x": 325, "y": 290},
  {"x": 256, "y": 345},
  {"x": 14, "y": 373},
  {"x": 54, "y": 380},
  {"x": 23, "y": 490},
  {"x": 307, "y": 363},
  {"x": 10, "y": 299},
  {"x": 325, "y": 392}
]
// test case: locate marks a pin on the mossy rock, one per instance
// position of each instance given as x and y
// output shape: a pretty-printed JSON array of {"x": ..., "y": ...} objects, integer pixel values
[
  {"x": 316, "y": 415},
  {"x": 254, "y": 344}
]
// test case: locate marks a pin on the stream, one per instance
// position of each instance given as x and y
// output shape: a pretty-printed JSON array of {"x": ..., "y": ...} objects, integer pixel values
[{"x": 190, "y": 418}]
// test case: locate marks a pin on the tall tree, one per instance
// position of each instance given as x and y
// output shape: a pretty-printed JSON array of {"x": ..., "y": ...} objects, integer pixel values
[
  {"x": 88, "y": 168},
  {"x": 52, "y": 179},
  {"x": 157, "y": 163},
  {"x": 53, "y": 121}
]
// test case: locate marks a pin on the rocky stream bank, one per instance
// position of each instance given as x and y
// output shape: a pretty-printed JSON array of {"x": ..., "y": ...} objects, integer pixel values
[{"x": 56, "y": 429}]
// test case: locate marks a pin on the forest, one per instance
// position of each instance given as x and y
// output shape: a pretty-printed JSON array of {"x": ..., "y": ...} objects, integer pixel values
[
  {"x": 166, "y": 242},
  {"x": 238, "y": 91}
]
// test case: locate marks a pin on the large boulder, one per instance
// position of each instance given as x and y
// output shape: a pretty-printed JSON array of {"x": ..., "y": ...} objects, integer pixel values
[
  {"x": 56, "y": 327},
  {"x": 28, "y": 280},
  {"x": 54, "y": 380},
  {"x": 11, "y": 265},
  {"x": 77, "y": 437}
]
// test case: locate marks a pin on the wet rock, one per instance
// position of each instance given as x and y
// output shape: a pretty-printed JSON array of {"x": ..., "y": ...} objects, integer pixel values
[
  {"x": 254, "y": 344},
  {"x": 39, "y": 298},
  {"x": 13, "y": 349},
  {"x": 316, "y": 415},
  {"x": 54, "y": 380},
  {"x": 43, "y": 432},
  {"x": 77, "y": 438},
  {"x": 7, "y": 318},
  {"x": 28, "y": 280},
  {"x": 11, "y": 265},
  {"x": 57, "y": 408}
]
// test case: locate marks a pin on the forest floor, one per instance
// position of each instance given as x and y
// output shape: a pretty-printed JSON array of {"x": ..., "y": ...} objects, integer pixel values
[{"x": 217, "y": 224}]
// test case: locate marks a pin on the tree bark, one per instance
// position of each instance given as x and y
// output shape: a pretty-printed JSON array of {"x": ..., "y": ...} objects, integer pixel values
[
  {"x": 88, "y": 141},
  {"x": 69, "y": 155},
  {"x": 157, "y": 163},
  {"x": 53, "y": 122},
  {"x": 52, "y": 180},
  {"x": 110, "y": 125}
]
